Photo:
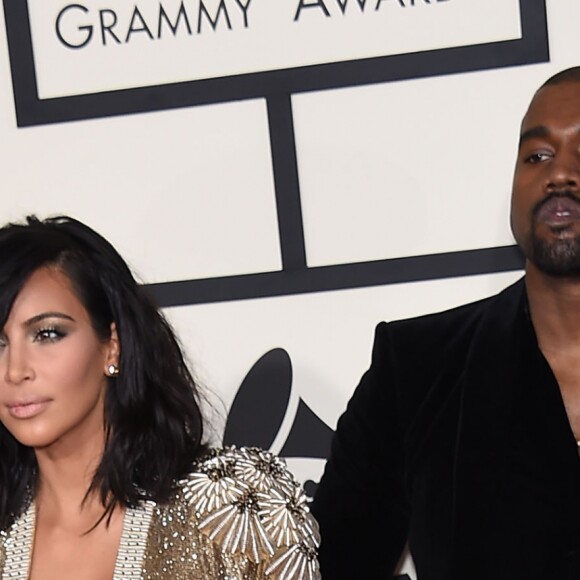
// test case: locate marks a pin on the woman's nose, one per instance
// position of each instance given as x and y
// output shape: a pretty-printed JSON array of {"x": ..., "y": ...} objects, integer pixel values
[{"x": 18, "y": 368}]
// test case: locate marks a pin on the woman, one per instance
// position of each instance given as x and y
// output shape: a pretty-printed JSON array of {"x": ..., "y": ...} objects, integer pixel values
[{"x": 103, "y": 469}]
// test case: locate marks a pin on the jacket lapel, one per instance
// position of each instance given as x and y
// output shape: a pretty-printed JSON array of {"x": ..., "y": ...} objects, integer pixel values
[{"x": 487, "y": 399}]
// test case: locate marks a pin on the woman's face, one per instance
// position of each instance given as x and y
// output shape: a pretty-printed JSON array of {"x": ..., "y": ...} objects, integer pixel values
[{"x": 53, "y": 366}]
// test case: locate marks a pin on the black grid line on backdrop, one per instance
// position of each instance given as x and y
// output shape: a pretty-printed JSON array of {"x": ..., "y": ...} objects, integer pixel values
[{"x": 277, "y": 87}]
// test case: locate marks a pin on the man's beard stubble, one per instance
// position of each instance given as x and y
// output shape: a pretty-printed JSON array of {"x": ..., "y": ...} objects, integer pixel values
[{"x": 555, "y": 257}]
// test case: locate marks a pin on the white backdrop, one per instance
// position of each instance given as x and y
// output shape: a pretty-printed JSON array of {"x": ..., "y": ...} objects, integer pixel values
[{"x": 386, "y": 170}]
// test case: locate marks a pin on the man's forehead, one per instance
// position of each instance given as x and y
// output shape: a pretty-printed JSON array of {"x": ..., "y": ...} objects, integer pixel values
[{"x": 554, "y": 104}]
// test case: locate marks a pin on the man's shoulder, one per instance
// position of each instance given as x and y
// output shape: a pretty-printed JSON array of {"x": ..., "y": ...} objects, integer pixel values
[
  {"x": 454, "y": 322},
  {"x": 433, "y": 351}
]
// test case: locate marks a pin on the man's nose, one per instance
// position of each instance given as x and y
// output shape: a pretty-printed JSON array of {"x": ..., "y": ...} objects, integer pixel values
[
  {"x": 564, "y": 173},
  {"x": 18, "y": 368}
]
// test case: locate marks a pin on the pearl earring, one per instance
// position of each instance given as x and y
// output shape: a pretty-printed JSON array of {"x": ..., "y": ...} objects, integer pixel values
[{"x": 112, "y": 370}]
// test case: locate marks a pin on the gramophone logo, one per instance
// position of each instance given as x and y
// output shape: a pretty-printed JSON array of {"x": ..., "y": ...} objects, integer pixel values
[{"x": 258, "y": 417}]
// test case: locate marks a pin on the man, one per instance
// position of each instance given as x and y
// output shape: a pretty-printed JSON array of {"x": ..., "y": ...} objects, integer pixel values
[{"x": 461, "y": 438}]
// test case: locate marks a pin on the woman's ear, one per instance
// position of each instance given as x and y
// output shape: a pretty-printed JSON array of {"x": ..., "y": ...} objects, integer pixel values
[{"x": 113, "y": 353}]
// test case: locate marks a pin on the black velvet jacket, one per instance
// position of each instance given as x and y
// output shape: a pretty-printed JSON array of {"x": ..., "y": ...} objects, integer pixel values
[{"x": 456, "y": 441}]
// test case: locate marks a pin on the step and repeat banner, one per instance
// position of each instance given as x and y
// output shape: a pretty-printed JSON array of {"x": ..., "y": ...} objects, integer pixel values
[{"x": 282, "y": 175}]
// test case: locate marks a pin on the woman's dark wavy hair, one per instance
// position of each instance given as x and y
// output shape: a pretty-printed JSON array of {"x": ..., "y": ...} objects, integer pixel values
[{"x": 152, "y": 418}]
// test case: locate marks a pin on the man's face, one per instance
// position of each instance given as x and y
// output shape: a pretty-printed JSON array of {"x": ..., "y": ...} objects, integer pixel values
[{"x": 545, "y": 211}]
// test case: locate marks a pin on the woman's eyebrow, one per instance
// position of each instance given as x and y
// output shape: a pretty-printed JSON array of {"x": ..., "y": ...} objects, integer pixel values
[{"x": 44, "y": 315}]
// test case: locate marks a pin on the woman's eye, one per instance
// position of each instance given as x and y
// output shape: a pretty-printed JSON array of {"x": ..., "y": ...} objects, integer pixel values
[{"x": 49, "y": 334}]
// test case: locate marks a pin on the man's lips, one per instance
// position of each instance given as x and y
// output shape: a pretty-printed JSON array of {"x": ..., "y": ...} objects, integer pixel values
[
  {"x": 26, "y": 409},
  {"x": 558, "y": 211}
]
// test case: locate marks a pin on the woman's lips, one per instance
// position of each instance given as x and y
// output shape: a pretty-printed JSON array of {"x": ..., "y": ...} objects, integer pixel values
[
  {"x": 27, "y": 409},
  {"x": 558, "y": 212}
]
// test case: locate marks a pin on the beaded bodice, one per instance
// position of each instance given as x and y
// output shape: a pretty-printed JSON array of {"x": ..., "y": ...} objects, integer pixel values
[{"x": 238, "y": 516}]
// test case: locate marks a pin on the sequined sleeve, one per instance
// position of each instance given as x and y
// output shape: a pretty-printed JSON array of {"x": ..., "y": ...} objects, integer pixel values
[
  {"x": 248, "y": 505},
  {"x": 2, "y": 549}
]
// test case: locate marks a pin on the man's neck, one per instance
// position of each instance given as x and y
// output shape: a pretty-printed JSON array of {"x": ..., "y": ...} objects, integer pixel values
[{"x": 554, "y": 309}]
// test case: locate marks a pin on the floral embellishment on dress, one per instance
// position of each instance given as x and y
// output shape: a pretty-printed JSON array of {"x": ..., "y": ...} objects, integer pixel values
[
  {"x": 248, "y": 503},
  {"x": 287, "y": 518},
  {"x": 263, "y": 470},
  {"x": 237, "y": 528},
  {"x": 213, "y": 486},
  {"x": 297, "y": 562}
]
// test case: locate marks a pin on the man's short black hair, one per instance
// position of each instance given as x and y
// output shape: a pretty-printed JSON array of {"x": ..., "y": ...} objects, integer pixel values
[{"x": 569, "y": 75}]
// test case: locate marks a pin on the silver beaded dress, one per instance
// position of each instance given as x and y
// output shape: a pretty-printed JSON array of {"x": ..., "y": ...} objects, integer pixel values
[{"x": 239, "y": 515}]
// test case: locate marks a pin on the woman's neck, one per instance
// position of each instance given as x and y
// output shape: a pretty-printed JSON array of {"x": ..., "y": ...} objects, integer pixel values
[{"x": 66, "y": 472}]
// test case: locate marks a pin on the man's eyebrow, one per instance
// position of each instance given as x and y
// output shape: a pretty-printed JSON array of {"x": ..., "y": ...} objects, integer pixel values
[
  {"x": 44, "y": 315},
  {"x": 533, "y": 132}
]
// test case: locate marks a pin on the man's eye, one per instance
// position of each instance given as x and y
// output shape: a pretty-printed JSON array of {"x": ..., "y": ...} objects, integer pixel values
[
  {"x": 537, "y": 157},
  {"x": 48, "y": 334}
]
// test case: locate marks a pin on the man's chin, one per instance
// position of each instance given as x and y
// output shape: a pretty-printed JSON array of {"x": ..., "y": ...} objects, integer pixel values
[{"x": 557, "y": 257}]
